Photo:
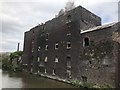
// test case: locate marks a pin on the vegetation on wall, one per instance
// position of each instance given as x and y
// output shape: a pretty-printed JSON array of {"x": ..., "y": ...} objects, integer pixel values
[{"x": 88, "y": 85}]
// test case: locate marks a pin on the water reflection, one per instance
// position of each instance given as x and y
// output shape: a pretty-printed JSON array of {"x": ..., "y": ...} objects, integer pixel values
[{"x": 24, "y": 80}]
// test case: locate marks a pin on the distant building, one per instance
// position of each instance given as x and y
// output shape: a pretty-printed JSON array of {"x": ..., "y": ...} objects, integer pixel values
[{"x": 75, "y": 46}]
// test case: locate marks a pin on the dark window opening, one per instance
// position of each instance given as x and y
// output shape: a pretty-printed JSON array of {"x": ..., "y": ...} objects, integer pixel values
[
  {"x": 56, "y": 46},
  {"x": 69, "y": 45},
  {"x": 47, "y": 35},
  {"x": 84, "y": 78},
  {"x": 90, "y": 62},
  {"x": 43, "y": 26},
  {"x": 33, "y": 31},
  {"x": 86, "y": 41},
  {"x": 68, "y": 57},
  {"x": 69, "y": 17}
]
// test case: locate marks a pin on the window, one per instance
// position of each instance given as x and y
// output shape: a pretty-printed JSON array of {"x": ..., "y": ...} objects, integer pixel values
[
  {"x": 31, "y": 70},
  {"x": 46, "y": 59},
  {"x": 84, "y": 78},
  {"x": 45, "y": 71},
  {"x": 39, "y": 48},
  {"x": 31, "y": 64},
  {"x": 43, "y": 26},
  {"x": 106, "y": 61},
  {"x": 56, "y": 60},
  {"x": 68, "y": 34},
  {"x": 69, "y": 18},
  {"x": 90, "y": 62},
  {"x": 33, "y": 31},
  {"x": 41, "y": 64},
  {"x": 47, "y": 35},
  {"x": 53, "y": 72},
  {"x": 68, "y": 57},
  {"x": 69, "y": 73},
  {"x": 86, "y": 41},
  {"x": 32, "y": 42},
  {"x": 56, "y": 46},
  {"x": 32, "y": 49},
  {"x": 68, "y": 61},
  {"x": 46, "y": 47},
  {"x": 68, "y": 45},
  {"x": 69, "y": 64},
  {"x": 38, "y": 59}
]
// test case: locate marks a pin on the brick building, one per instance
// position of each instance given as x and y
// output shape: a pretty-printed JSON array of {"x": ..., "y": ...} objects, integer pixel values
[{"x": 74, "y": 45}]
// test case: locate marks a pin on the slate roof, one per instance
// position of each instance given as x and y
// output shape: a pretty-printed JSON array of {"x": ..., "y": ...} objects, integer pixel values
[{"x": 97, "y": 28}]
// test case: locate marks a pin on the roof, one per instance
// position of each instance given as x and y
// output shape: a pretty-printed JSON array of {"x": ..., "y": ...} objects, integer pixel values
[{"x": 97, "y": 28}]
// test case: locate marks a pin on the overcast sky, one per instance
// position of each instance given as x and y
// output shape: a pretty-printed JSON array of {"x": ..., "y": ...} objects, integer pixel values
[{"x": 18, "y": 16}]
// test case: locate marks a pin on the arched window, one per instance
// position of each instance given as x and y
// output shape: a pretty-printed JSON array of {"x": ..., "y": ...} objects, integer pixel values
[{"x": 86, "y": 41}]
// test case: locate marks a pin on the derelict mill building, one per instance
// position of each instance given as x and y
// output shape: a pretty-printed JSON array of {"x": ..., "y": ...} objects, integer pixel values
[{"x": 74, "y": 45}]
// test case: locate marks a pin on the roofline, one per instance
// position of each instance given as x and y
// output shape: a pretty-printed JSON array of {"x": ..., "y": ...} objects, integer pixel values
[{"x": 98, "y": 27}]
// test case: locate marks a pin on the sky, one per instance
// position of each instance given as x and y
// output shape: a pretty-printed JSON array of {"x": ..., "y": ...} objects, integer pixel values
[{"x": 19, "y": 16}]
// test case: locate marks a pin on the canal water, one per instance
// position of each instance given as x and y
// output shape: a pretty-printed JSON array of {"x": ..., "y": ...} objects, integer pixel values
[{"x": 25, "y": 80}]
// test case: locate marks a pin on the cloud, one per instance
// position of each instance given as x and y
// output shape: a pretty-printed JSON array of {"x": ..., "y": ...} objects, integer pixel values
[
  {"x": 19, "y": 16},
  {"x": 108, "y": 11}
]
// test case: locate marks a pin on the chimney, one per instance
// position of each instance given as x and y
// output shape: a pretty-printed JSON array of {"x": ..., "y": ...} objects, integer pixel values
[{"x": 18, "y": 46}]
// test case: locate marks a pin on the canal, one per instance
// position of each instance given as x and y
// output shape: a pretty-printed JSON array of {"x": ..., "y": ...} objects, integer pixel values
[{"x": 25, "y": 80}]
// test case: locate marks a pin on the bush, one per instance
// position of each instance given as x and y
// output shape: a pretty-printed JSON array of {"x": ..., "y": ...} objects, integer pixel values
[
  {"x": 105, "y": 86},
  {"x": 76, "y": 83},
  {"x": 15, "y": 54},
  {"x": 7, "y": 62}
]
